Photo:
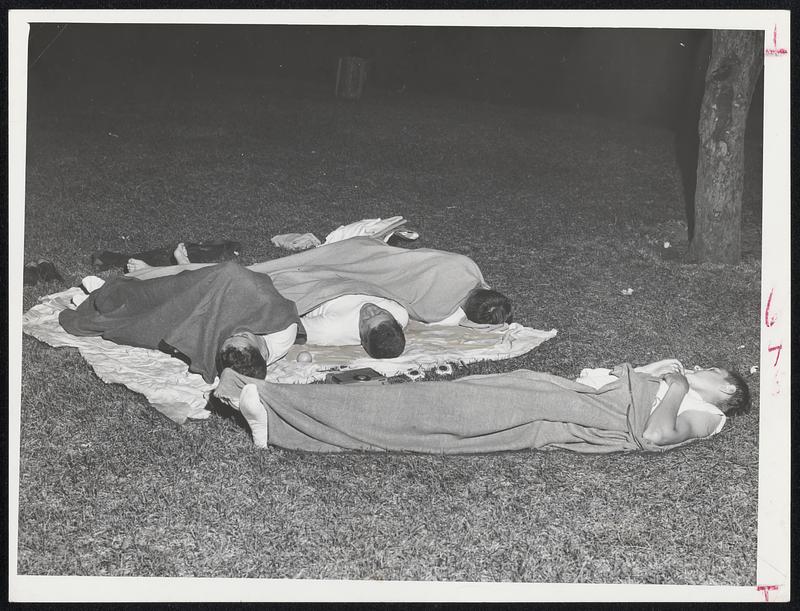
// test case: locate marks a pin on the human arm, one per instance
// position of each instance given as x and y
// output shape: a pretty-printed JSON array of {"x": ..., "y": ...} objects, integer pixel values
[
  {"x": 664, "y": 427},
  {"x": 662, "y": 368}
]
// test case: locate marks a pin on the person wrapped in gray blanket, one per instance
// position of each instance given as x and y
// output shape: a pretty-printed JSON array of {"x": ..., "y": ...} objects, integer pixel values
[{"x": 653, "y": 408}]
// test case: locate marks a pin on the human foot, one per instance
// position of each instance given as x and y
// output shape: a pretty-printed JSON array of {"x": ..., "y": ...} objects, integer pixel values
[
  {"x": 254, "y": 412},
  {"x": 137, "y": 265},
  {"x": 181, "y": 254}
]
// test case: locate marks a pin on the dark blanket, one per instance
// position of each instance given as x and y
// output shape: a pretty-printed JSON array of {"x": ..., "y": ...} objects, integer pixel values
[
  {"x": 430, "y": 284},
  {"x": 475, "y": 414},
  {"x": 191, "y": 312}
]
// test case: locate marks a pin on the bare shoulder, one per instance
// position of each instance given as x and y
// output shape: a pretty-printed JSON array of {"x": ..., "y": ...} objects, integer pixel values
[{"x": 700, "y": 424}]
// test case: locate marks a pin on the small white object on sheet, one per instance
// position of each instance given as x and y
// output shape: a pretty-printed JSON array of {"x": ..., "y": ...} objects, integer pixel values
[{"x": 178, "y": 394}]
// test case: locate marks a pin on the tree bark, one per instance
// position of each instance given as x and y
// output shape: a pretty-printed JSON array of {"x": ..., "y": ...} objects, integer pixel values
[{"x": 736, "y": 62}]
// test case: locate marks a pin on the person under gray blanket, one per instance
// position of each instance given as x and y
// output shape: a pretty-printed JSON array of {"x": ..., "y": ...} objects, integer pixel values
[
  {"x": 374, "y": 323},
  {"x": 434, "y": 286},
  {"x": 654, "y": 408},
  {"x": 226, "y": 308}
]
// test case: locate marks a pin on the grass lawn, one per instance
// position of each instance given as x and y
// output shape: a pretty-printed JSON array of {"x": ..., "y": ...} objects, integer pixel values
[{"x": 561, "y": 212}]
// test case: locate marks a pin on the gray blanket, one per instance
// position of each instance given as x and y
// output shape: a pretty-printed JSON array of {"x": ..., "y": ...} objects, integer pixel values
[
  {"x": 430, "y": 284},
  {"x": 475, "y": 414}
]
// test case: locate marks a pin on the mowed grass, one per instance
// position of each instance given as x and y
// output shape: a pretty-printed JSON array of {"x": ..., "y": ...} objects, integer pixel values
[{"x": 561, "y": 212}]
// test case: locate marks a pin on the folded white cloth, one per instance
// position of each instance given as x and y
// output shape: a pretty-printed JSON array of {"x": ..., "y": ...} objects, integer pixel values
[{"x": 380, "y": 228}]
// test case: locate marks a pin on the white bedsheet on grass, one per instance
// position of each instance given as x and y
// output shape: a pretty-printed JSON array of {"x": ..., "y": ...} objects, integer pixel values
[{"x": 178, "y": 394}]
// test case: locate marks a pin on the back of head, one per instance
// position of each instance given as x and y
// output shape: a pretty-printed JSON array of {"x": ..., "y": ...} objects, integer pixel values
[
  {"x": 385, "y": 341},
  {"x": 244, "y": 360},
  {"x": 487, "y": 306},
  {"x": 739, "y": 401}
]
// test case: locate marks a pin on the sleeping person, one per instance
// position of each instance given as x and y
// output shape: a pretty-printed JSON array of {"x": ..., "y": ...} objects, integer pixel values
[
  {"x": 375, "y": 323},
  {"x": 705, "y": 397},
  {"x": 651, "y": 408},
  {"x": 242, "y": 320},
  {"x": 212, "y": 318},
  {"x": 433, "y": 286}
]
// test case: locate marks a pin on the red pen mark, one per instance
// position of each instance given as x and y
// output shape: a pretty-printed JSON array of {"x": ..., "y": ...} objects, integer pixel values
[
  {"x": 775, "y": 50},
  {"x": 765, "y": 590},
  {"x": 769, "y": 320},
  {"x": 779, "y": 347}
]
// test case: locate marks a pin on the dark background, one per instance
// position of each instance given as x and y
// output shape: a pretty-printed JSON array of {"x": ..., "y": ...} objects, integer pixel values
[
  {"x": 648, "y": 76},
  {"x": 645, "y": 76}
]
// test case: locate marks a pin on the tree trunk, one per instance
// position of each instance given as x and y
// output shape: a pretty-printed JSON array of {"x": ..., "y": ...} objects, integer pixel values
[{"x": 736, "y": 62}]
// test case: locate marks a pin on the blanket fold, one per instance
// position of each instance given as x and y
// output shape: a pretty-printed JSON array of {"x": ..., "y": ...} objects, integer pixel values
[{"x": 483, "y": 413}]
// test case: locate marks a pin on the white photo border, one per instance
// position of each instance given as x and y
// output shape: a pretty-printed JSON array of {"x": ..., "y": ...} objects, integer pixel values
[{"x": 773, "y": 556}]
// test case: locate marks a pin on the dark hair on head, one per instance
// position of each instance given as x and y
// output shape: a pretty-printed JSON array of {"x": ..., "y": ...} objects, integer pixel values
[
  {"x": 385, "y": 341},
  {"x": 739, "y": 401},
  {"x": 486, "y": 306},
  {"x": 245, "y": 360}
]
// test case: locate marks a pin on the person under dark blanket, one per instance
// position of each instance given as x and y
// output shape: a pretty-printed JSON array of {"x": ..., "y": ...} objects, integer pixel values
[
  {"x": 192, "y": 313},
  {"x": 216, "y": 317},
  {"x": 652, "y": 408}
]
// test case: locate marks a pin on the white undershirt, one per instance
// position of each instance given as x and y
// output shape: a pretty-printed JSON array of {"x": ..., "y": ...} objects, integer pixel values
[
  {"x": 691, "y": 401},
  {"x": 335, "y": 322},
  {"x": 278, "y": 343}
]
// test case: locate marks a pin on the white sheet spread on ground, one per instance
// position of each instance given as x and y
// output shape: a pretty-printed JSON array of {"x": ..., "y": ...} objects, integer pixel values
[{"x": 178, "y": 394}]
